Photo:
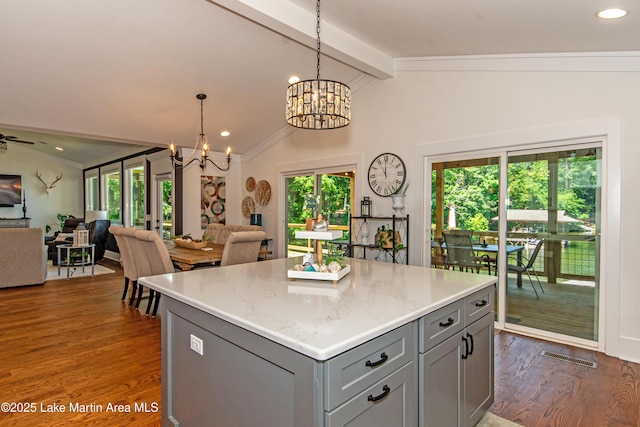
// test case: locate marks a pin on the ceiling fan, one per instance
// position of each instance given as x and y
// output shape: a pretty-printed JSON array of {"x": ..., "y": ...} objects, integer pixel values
[{"x": 4, "y": 138}]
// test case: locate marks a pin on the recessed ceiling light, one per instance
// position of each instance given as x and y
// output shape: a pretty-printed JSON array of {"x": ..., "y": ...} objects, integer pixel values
[
  {"x": 59, "y": 148},
  {"x": 612, "y": 13},
  {"x": 293, "y": 79},
  {"x": 225, "y": 133}
]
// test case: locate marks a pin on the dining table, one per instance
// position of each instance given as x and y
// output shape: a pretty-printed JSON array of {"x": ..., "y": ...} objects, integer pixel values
[
  {"x": 187, "y": 258},
  {"x": 511, "y": 249},
  {"x": 493, "y": 249}
]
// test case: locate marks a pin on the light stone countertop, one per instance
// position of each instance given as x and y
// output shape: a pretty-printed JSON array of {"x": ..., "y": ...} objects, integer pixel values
[{"x": 317, "y": 318}]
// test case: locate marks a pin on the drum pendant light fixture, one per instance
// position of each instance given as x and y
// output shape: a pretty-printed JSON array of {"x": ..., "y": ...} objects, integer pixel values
[{"x": 318, "y": 104}]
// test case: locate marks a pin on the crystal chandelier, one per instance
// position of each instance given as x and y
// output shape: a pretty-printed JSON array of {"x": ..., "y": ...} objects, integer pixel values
[
  {"x": 201, "y": 145},
  {"x": 318, "y": 104}
]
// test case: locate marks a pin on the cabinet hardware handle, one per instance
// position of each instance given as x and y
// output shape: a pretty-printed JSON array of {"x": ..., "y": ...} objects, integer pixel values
[
  {"x": 383, "y": 358},
  {"x": 385, "y": 390},
  {"x": 481, "y": 303},
  {"x": 466, "y": 348},
  {"x": 470, "y": 339},
  {"x": 447, "y": 324}
]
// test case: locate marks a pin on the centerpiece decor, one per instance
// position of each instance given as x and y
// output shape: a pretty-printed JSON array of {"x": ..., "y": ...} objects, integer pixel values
[{"x": 314, "y": 268}]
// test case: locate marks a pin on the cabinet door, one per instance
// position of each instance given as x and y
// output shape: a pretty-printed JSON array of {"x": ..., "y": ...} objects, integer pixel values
[
  {"x": 441, "y": 384},
  {"x": 390, "y": 402},
  {"x": 478, "y": 369}
]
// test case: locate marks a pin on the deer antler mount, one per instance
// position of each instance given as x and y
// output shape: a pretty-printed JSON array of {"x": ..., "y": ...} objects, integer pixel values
[{"x": 48, "y": 187}]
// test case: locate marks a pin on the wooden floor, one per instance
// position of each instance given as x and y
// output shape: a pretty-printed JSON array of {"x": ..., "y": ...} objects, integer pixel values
[
  {"x": 538, "y": 391},
  {"x": 73, "y": 343}
]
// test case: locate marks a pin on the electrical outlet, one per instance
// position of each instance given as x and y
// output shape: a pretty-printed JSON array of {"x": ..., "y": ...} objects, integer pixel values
[{"x": 196, "y": 344}]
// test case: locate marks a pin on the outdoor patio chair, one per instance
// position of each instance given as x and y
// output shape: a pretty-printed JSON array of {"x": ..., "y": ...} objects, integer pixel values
[
  {"x": 528, "y": 266},
  {"x": 460, "y": 252}
]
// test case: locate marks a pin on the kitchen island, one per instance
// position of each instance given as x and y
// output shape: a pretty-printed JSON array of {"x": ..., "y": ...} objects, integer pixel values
[{"x": 245, "y": 346}]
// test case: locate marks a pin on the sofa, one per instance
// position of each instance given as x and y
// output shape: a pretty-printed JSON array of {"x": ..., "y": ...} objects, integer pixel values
[
  {"x": 23, "y": 257},
  {"x": 219, "y": 233}
]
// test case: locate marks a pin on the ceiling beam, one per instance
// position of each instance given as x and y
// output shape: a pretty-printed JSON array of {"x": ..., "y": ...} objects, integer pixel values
[{"x": 297, "y": 24}]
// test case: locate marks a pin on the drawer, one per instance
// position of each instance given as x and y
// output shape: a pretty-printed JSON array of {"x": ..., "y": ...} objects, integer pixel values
[
  {"x": 441, "y": 324},
  {"x": 478, "y": 304},
  {"x": 389, "y": 402},
  {"x": 358, "y": 369}
]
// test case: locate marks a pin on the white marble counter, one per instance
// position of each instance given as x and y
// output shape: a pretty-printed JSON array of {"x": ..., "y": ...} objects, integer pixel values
[{"x": 318, "y": 319}]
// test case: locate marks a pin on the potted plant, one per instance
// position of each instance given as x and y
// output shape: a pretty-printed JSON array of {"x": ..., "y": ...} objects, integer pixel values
[{"x": 385, "y": 238}]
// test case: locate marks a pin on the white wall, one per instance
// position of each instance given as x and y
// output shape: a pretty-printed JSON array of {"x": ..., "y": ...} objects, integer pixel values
[
  {"x": 421, "y": 107},
  {"x": 42, "y": 208}
]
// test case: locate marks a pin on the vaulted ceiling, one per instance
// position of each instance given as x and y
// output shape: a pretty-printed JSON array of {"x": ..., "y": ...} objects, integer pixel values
[{"x": 128, "y": 72}]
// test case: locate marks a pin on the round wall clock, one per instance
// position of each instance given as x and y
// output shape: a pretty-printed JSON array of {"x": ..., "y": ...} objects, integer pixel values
[{"x": 387, "y": 174}]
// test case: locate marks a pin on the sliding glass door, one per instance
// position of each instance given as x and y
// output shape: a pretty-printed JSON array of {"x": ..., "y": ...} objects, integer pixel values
[
  {"x": 554, "y": 207},
  {"x": 545, "y": 246}
]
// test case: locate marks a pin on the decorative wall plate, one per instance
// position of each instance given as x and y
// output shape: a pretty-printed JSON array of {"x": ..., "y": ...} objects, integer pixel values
[
  {"x": 248, "y": 206},
  {"x": 262, "y": 193},
  {"x": 250, "y": 184}
]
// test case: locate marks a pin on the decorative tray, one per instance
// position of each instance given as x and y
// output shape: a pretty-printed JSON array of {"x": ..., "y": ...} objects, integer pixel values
[
  {"x": 191, "y": 244},
  {"x": 317, "y": 275}
]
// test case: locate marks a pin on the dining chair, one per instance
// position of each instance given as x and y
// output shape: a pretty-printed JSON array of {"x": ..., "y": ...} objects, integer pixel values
[
  {"x": 523, "y": 267},
  {"x": 140, "y": 261},
  {"x": 242, "y": 247},
  {"x": 126, "y": 260},
  {"x": 460, "y": 252},
  {"x": 158, "y": 260}
]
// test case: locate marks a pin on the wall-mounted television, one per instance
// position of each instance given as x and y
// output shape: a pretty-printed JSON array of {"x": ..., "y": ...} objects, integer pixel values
[{"x": 10, "y": 190}]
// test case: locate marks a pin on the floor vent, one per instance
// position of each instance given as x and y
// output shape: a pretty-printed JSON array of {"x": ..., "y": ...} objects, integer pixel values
[{"x": 575, "y": 360}]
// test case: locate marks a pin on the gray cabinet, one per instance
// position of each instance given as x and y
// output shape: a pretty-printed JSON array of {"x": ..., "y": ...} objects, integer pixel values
[
  {"x": 433, "y": 371},
  {"x": 456, "y": 362},
  {"x": 375, "y": 383},
  {"x": 217, "y": 374},
  {"x": 389, "y": 402}
]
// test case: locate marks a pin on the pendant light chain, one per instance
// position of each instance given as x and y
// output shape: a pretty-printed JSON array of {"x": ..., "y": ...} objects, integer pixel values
[
  {"x": 318, "y": 34},
  {"x": 202, "y": 116}
]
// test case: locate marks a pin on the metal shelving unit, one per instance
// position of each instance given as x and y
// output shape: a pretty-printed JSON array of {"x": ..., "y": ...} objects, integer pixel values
[{"x": 367, "y": 248}]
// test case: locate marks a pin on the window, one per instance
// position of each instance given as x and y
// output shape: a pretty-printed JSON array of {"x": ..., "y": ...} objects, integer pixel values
[
  {"x": 135, "y": 197},
  {"x": 91, "y": 191},
  {"x": 111, "y": 200},
  {"x": 334, "y": 191}
]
